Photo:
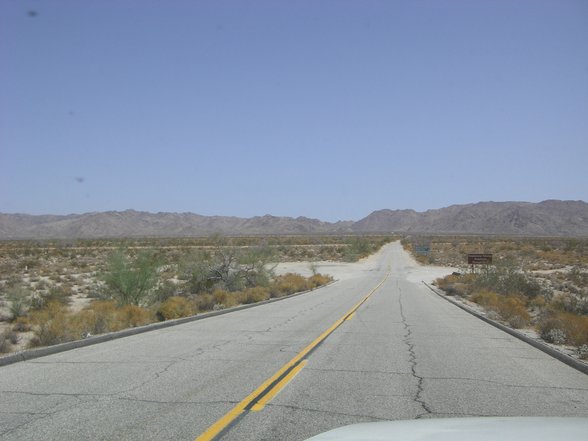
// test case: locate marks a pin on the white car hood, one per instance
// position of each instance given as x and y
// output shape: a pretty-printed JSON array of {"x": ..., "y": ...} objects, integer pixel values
[{"x": 464, "y": 429}]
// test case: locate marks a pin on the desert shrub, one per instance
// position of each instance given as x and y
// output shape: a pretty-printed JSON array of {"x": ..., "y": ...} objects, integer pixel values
[
  {"x": 510, "y": 308},
  {"x": 131, "y": 281},
  {"x": 19, "y": 299},
  {"x": 131, "y": 316},
  {"x": 56, "y": 294},
  {"x": 507, "y": 280},
  {"x": 444, "y": 282},
  {"x": 196, "y": 271},
  {"x": 4, "y": 342},
  {"x": 563, "y": 327},
  {"x": 100, "y": 317},
  {"x": 555, "y": 335},
  {"x": 317, "y": 280},
  {"x": 165, "y": 290},
  {"x": 84, "y": 323},
  {"x": 538, "y": 302},
  {"x": 456, "y": 284},
  {"x": 288, "y": 284},
  {"x": 579, "y": 277},
  {"x": 175, "y": 307},
  {"x": 572, "y": 303},
  {"x": 204, "y": 302},
  {"x": 53, "y": 324},
  {"x": 254, "y": 295},
  {"x": 21, "y": 324},
  {"x": 220, "y": 296},
  {"x": 513, "y": 310},
  {"x": 8, "y": 338},
  {"x": 225, "y": 298},
  {"x": 358, "y": 247},
  {"x": 485, "y": 298},
  {"x": 227, "y": 266}
]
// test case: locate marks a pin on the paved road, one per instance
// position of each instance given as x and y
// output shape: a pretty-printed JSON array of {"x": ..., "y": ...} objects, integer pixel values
[{"x": 405, "y": 353}]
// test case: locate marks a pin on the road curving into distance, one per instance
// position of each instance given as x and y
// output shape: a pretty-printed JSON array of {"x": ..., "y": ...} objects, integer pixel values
[{"x": 376, "y": 345}]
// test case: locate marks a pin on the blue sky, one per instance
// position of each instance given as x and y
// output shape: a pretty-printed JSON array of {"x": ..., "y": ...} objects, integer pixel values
[{"x": 325, "y": 109}]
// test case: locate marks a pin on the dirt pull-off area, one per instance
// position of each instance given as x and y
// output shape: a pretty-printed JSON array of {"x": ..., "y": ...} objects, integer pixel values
[{"x": 413, "y": 270}]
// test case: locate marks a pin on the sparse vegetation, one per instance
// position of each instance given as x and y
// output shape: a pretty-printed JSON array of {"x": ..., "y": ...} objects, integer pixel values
[
  {"x": 541, "y": 283},
  {"x": 66, "y": 290},
  {"x": 360, "y": 246}
]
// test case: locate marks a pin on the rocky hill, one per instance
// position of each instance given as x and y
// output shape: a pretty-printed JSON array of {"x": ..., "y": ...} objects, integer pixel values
[
  {"x": 131, "y": 223},
  {"x": 547, "y": 218}
]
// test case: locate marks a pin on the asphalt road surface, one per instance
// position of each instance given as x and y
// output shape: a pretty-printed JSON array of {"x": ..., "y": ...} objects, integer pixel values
[{"x": 404, "y": 353}]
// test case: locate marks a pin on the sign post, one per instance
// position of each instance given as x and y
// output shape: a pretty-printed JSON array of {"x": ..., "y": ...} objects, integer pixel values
[{"x": 479, "y": 259}]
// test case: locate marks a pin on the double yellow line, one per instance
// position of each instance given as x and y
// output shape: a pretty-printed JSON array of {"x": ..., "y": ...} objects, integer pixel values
[{"x": 257, "y": 399}]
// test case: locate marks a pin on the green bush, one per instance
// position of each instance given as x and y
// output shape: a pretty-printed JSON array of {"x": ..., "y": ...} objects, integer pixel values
[
  {"x": 358, "y": 247},
  {"x": 507, "y": 280},
  {"x": 130, "y": 282}
]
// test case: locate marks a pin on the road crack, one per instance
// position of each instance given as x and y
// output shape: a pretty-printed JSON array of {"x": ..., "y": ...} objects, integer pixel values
[
  {"x": 412, "y": 359},
  {"x": 328, "y": 412}
]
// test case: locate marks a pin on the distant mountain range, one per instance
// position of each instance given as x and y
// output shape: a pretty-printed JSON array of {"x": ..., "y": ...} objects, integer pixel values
[{"x": 547, "y": 218}]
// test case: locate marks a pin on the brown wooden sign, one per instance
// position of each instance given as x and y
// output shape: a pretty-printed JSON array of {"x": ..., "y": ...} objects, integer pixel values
[{"x": 479, "y": 259}]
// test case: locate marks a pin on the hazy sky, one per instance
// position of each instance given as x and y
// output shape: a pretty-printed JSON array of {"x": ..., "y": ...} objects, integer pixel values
[{"x": 326, "y": 109}]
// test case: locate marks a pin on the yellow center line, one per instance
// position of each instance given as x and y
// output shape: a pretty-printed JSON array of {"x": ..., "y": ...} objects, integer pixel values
[
  {"x": 273, "y": 392},
  {"x": 256, "y": 400},
  {"x": 350, "y": 317}
]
